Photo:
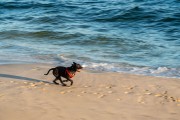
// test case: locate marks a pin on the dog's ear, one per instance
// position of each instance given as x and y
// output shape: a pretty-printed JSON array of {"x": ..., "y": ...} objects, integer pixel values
[{"x": 74, "y": 63}]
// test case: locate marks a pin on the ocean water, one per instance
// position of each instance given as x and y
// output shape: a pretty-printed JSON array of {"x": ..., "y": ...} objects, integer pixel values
[{"x": 133, "y": 36}]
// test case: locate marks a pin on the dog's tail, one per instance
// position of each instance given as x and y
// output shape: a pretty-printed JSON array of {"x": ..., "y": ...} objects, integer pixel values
[{"x": 49, "y": 71}]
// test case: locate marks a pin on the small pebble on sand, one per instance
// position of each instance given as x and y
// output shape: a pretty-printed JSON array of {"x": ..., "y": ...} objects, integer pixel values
[
  {"x": 46, "y": 84},
  {"x": 69, "y": 91},
  {"x": 108, "y": 87},
  {"x": 128, "y": 92},
  {"x": 25, "y": 82},
  {"x": 130, "y": 88},
  {"x": 83, "y": 92}
]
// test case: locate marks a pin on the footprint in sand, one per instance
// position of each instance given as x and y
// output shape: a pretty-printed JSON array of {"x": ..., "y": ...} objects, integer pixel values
[
  {"x": 83, "y": 92},
  {"x": 140, "y": 99},
  {"x": 1, "y": 95}
]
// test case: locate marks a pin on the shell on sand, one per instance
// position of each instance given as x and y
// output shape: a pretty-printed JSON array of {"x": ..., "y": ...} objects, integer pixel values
[
  {"x": 110, "y": 92},
  {"x": 33, "y": 85},
  {"x": 101, "y": 96},
  {"x": 128, "y": 92},
  {"x": 118, "y": 99},
  {"x": 158, "y": 95},
  {"x": 63, "y": 92},
  {"x": 148, "y": 93}
]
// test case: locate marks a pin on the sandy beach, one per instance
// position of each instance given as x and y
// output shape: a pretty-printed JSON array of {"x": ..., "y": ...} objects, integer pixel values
[{"x": 26, "y": 94}]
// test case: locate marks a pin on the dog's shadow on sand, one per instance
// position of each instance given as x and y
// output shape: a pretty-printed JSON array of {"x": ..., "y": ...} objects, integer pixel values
[{"x": 23, "y": 78}]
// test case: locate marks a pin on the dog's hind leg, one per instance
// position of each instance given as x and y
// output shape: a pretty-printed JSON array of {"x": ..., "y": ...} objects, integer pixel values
[
  {"x": 54, "y": 81},
  {"x": 63, "y": 84}
]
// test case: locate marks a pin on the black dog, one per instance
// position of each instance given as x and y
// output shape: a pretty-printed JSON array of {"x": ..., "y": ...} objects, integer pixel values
[{"x": 66, "y": 72}]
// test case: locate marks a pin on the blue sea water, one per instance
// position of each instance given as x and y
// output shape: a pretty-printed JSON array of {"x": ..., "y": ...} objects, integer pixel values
[{"x": 133, "y": 36}]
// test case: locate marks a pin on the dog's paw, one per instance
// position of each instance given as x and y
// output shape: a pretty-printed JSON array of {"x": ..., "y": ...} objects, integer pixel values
[
  {"x": 55, "y": 83},
  {"x": 64, "y": 85}
]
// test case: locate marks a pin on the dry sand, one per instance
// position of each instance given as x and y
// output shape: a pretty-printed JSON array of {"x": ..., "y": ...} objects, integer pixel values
[{"x": 26, "y": 94}]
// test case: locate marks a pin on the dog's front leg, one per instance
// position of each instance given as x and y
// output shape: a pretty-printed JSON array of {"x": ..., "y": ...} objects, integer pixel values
[{"x": 70, "y": 81}]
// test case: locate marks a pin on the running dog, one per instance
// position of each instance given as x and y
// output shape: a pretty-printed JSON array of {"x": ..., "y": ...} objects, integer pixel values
[{"x": 66, "y": 72}]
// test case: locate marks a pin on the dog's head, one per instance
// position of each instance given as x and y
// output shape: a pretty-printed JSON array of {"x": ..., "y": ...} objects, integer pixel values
[{"x": 76, "y": 67}]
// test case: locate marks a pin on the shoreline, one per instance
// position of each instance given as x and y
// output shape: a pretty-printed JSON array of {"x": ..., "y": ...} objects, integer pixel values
[
  {"x": 91, "y": 71},
  {"x": 26, "y": 93}
]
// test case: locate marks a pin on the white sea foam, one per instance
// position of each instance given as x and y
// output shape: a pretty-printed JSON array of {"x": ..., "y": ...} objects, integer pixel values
[
  {"x": 159, "y": 70},
  {"x": 126, "y": 68}
]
